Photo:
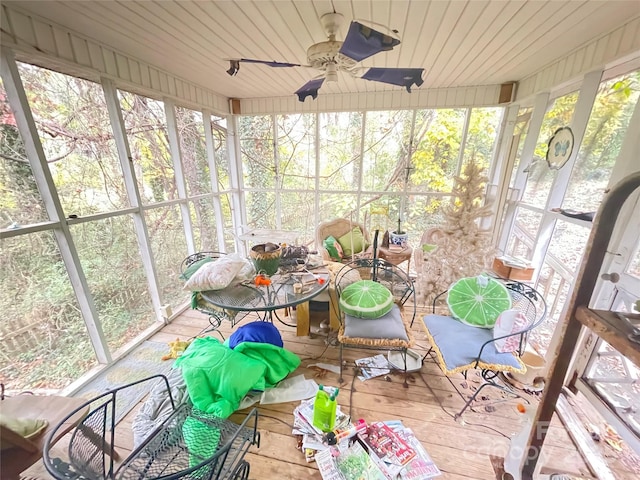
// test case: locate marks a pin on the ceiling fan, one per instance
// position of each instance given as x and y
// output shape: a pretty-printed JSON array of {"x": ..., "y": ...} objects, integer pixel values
[{"x": 331, "y": 56}]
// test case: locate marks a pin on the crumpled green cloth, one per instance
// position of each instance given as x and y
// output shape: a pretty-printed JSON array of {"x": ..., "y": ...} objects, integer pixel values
[{"x": 218, "y": 377}]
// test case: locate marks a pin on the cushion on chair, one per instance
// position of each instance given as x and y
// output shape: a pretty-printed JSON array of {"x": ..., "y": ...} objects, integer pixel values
[
  {"x": 388, "y": 326},
  {"x": 25, "y": 427},
  {"x": 215, "y": 275},
  {"x": 193, "y": 268},
  {"x": 477, "y": 301},
  {"x": 509, "y": 322},
  {"x": 457, "y": 346},
  {"x": 333, "y": 247},
  {"x": 366, "y": 299},
  {"x": 352, "y": 242}
]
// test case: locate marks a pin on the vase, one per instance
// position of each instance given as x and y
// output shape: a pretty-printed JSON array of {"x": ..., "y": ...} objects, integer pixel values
[
  {"x": 266, "y": 258},
  {"x": 400, "y": 239}
]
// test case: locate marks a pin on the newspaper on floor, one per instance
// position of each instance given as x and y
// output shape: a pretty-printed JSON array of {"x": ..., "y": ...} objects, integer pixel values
[
  {"x": 352, "y": 463},
  {"x": 371, "y": 367}
]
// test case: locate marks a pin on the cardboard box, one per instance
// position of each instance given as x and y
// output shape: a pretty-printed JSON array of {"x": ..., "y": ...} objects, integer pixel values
[{"x": 512, "y": 273}]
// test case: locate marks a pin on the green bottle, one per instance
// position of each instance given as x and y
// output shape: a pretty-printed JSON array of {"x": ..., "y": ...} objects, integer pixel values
[{"x": 324, "y": 409}]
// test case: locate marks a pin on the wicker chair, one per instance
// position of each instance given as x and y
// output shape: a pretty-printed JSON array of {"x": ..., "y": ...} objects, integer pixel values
[{"x": 337, "y": 228}]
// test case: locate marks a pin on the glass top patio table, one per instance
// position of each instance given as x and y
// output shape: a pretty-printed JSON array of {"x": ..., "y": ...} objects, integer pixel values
[{"x": 248, "y": 296}]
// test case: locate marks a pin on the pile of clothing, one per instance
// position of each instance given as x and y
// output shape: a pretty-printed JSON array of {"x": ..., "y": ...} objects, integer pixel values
[{"x": 216, "y": 376}]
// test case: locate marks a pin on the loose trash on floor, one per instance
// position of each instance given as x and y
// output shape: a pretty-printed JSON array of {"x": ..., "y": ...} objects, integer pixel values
[{"x": 346, "y": 450}]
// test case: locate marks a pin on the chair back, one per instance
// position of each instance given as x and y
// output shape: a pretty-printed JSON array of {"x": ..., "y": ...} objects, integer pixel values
[
  {"x": 194, "y": 257},
  {"x": 378, "y": 270},
  {"x": 337, "y": 228},
  {"x": 528, "y": 301}
]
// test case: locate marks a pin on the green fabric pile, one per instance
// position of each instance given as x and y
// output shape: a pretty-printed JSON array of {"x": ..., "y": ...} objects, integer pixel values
[{"x": 218, "y": 377}]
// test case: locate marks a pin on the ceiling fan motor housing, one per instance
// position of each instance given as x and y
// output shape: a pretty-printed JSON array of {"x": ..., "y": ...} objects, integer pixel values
[{"x": 323, "y": 53}]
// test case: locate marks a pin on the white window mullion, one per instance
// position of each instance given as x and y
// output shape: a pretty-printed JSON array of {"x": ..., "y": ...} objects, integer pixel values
[
  {"x": 501, "y": 167},
  {"x": 181, "y": 185},
  {"x": 360, "y": 167},
  {"x": 463, "y": 140},
  {"x": 537, "y": 116},
  {"x": 317, "y": 179},
  {"x": 42, "y": 175},
  {"x": 126, "y": 163},
  {"x": 238, "y": 207},
  {"x": 211, "y": 160}
]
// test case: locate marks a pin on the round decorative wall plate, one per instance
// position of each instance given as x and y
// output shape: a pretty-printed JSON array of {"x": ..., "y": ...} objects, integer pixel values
[{"x": 559, "y": 148}]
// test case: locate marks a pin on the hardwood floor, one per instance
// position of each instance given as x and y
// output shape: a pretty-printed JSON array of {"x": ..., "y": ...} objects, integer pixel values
[{"x": 462, "y": 450}]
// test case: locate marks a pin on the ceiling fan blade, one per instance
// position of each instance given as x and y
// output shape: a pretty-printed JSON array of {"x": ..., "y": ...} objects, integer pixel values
[
  {"x": 272, "y": 63},
  {"x": 310, "y": 88},
  {"x": 362, "y": 41},
  {"x": 404, "y": 77}
]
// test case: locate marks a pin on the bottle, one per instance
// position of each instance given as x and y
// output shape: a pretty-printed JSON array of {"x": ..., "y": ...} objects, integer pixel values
[{"x": 324, "y": 409}]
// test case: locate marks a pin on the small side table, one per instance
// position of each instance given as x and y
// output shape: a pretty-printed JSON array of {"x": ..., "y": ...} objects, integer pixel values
[{"x": 396, "y": 257}]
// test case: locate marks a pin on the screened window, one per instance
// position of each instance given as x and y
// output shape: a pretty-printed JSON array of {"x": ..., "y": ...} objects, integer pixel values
[
  {"x": 74, "y": 128},
  {"x": 195, "y": 163},
  {"x": 602, "y": 141},
  {"x": 437, "y": 140},
  {"x": 539, "y": 176},
  {"x": 340, "y": 150},
  {"x": 20, "y": 200},
  {"x": 256, "y": 151},
  {"x": 146, "y": 127},
  {"x": 297, "y": 151}
]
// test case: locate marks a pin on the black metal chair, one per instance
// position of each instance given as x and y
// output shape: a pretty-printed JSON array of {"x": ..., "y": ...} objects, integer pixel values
[
  {"x": 187, "y": 444},
  {"x": 458, "y": 348},
  {"x": 398, "y": 337},
  {"x": 215, "y": 314}
]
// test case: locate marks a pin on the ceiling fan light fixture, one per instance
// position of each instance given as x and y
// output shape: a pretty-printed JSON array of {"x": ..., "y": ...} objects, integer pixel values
[
  {"x": 331, "y": 73},
  {"x": 234, "y": 67}
]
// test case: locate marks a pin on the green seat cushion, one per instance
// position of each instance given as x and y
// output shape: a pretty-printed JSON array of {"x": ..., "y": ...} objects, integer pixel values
[
  {"x": 333, "y": 247},
  {"x": 353, "y": 242},
  {"x": 478, "y": 301},
  {"x": 366, "y": 299}
]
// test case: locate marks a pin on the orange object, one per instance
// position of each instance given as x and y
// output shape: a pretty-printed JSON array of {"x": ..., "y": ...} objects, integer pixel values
[
  {"x": 521, "y": 408},
  {"x": 262, "y": 280},
  {"x": 321, "y": 281}
]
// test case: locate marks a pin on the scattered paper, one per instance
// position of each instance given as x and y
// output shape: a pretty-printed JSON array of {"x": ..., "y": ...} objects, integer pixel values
[
  {"x": 371, "y": 367},
  {"x": 290, "y": 390},
  {"x": 327, "y": 366}
]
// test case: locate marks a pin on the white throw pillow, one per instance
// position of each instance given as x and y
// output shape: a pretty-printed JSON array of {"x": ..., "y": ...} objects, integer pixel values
[
  {"x": 215, "y": 275},
  {"x": 508, "y": 322}
]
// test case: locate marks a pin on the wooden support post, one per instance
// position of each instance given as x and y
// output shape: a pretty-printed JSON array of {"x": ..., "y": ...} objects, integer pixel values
[{"x": 303, "y": 326}]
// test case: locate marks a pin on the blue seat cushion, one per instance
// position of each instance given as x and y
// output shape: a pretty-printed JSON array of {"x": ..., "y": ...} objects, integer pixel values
[
  {"x": 457, "y": 347},
  {"x": 388, "y": 331}
]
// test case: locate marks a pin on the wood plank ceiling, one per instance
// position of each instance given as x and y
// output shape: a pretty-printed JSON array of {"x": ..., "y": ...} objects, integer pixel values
[{"x": 459, "y": 43}]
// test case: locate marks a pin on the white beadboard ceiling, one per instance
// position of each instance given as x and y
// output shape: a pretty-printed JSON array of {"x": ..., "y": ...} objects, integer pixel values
[{"x": 459, "y": 43}]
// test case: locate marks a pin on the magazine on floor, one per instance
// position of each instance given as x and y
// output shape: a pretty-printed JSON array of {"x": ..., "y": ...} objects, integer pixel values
[
  {"x": 371, "y": 367},
  {"x": 422, "y": 467}
]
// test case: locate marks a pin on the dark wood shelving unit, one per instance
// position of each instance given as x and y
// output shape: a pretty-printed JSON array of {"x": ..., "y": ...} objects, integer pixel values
[{"x": 612, "y": 329}]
